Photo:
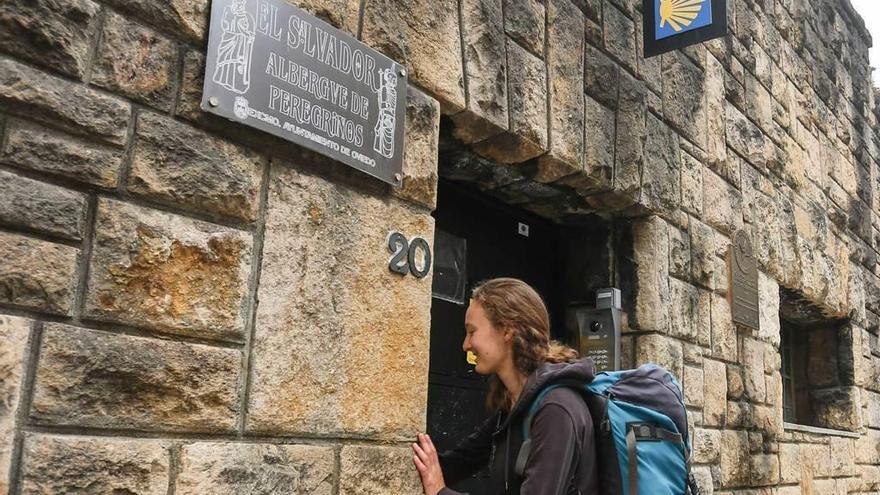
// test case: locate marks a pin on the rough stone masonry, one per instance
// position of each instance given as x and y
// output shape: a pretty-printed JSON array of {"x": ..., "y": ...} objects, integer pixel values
[{"x": 188, "y": 306}]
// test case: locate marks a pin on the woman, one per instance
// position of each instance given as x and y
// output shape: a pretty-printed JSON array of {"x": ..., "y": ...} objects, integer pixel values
[{"x": 508, "y": 329}]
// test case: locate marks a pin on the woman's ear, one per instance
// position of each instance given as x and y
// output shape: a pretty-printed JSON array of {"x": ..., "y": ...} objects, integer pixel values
[{"x": 508, "y": 334}]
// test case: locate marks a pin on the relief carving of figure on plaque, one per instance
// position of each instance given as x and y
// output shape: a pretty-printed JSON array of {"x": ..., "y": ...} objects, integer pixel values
[
  {"x": 233, "y": 70},
  {"x": 384, "y": 140}
]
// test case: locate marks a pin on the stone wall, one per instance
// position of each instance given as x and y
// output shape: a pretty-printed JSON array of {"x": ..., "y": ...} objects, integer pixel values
[{"x": 191, "y": 306}]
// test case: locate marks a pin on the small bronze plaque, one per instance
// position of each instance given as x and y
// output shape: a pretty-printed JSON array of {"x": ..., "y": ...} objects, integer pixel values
[{"x": 743, "y": 280}]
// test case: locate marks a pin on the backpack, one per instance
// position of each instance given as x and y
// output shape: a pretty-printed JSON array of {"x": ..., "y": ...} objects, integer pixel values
[{"x": 641, "y": 430}]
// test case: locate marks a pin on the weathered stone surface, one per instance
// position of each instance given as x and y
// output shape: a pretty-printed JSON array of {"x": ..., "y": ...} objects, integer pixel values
[
  {"x": 420, "y": 149},
  {"x": 651, "y": 265},
  {"x": 706, "y": 446},
  {"x": 601, "y": 76},
  {"x": 768, "y": 309},
  {"x": 722, "y": 203},
  {"x": 714, "y": 392},
  {"x": 753, "y": 365},
  {"x": 691, "y": 184},
  {"x": 46, "y": 151},
  {"x": 693, "y": 386},
  {"x": 368, "y": 470},
  {"x": 33, "y": 205},
  {"x": 168, "y": 273},
  {"x": 735, "y": 385},
  {"x": 147, "y": 71},
  {"x": 565, "y": 72},
  {"x": 527, "y": 91},
  {"x": 789, "y": 465},
  {"x": 54, "y": 34},
  {"x": 327, "y": 359},
  {"x": 723, "y": 330},
  {"x": 524, "y": 23},
  {"x": 185, "y": 18},
  {"x": 746, "y": 138},
  {"x": 683, "y": 99},
  {"x": 425, "y": 37},
  {"x": 716, "y": 137},
  {"x": 485, "y": 70},
  {"x": 764, "y": 469},
  {"x": 37, "y": 274},
  {"x": 661, "y": 173},
  {"x": 662, "y": 350},
  {"x": 98, "y": 379},
  {"x": 255, "y": 469},
  {"x": 598, "y": 142},
  {"x": 837, "y": 408},
  {"x": 175, "y": 163},
  {"x": 72, "y": 464},
  {"x": 190, "y": 94},
  {"x": 85, "y": 111},
  {"x": 340, "y": 13},
  {"x": 620, "y": 35},
  {"x": 629, "y": 146},
  {"x": 13, "y": 354},
  {"x": 734, "y": 458}
]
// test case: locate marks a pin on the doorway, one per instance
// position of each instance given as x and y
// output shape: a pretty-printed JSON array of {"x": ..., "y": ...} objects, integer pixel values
[{"x": 478, "y": 237}]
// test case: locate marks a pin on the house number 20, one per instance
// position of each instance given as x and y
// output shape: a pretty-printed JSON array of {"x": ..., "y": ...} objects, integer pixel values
[{"x": 405, "y": 253}]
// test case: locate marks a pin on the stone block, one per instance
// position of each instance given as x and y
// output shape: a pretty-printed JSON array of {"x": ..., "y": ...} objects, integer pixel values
[
  {"x": 734, "y": 458},
  {"x": 327, "y": 359},
  {"x": 693, "y": 386},
  {"x": 753, "y": 366},
  {"x": 722, "y": 203},
  {"x": 789, "y": 463},
  {"x": 425, "y": 37},
  {"x": 37, "y": 274},
  {"x": 174, "y": 163},
  {"x": 420, "y": 149},
  {"x": 136, "y": 62},
  {"x": 34, "y": 205},
  {"x": 714, "y": 392},
  {"x": 662, "y": 350},
  {"x": 768, "y": 309},
  {"x": 598, "y": 143},
  {"x": 706, "y": 446},
  {"x": 684, "y": 299},
  {"x": 527, "y": 91},
  {"x": 691, "y": 185},
  {"x": 764, "y": 469},
  {"x": 713, "y": 86},
  {"x": 661, "y": 172},
  {"x": 42, "y": 150},
  {"x": 187, "y": 19},
  {"x": 565, "y": 73},
  {"x": 679, "y": 253},
  {"x": 867, "y": 448},
  {"x": 191, "y": 81},
  {"x": 842, "y": 456},
  {"x": 704, "y": 476},
  {"x": 629, "y": 146},
  {"x": 98, "y": 379},
  {"x": 168, "y": 273},
  {"x": 255, "y": 469},
  {"x": 684, "y": 101},
  {"x": 746, "y": 138},
  {"x": 601, "y": 76},
  {"x": 735, "y": 386},
  {"x": 82, "y": 110},
  {"x": 365, "y": 470},
  {"x": 524, "y": 23},
  {"x": 74, "y": 464},
  {"x": 54, "y": 34},
  {"x": 14, "y": 334},
  {"x": 723, "y": 330},
  {"x": 619, "y": 33},
  {"x": 651, "y": 266},
  {"x": 485, "y": 70}
]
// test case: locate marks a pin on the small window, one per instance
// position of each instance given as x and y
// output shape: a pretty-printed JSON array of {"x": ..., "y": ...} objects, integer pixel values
[{"x": 817, "y": 378}]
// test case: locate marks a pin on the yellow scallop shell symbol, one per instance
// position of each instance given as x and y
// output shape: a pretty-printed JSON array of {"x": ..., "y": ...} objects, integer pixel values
[{"x": 679, "y": 13}]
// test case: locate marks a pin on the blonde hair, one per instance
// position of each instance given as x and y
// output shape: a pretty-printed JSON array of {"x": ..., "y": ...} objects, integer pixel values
[{"x": 514, "y": 305}]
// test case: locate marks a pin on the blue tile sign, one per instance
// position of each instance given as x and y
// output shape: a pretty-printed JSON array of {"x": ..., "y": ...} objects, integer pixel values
[
  {"x": 672, "y": 24},
  {"x": 672, "y": 17}
]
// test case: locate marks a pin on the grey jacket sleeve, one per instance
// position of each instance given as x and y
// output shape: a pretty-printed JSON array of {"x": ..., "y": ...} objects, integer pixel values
[{"x": 551, "y": 463}]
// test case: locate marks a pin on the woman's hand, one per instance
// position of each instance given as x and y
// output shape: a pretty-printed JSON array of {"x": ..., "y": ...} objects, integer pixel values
[{"x": 426, "y": 462}]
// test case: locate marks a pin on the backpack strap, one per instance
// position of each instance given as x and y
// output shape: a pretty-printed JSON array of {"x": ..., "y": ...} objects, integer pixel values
[
  {"x": 523, "y": 456},
  {"x": 645, "y": 432}
]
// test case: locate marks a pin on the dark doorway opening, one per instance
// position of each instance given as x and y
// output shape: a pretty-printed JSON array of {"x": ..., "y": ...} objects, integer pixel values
[{"x": 478, "y": 237}]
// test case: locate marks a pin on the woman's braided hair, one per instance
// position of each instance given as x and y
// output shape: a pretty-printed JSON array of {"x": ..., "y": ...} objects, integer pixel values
[{"x": 512, "y": 304}]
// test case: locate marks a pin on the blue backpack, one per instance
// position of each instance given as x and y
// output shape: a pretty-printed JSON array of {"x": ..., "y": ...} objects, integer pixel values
[{"x": 641, "y": 429}]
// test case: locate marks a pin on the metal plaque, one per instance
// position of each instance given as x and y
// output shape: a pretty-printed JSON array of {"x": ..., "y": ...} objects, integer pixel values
[
  {"x": 274, "y": 67},
  {"x": 673, "y": 24},
  {"x": 743, "y": 269}
]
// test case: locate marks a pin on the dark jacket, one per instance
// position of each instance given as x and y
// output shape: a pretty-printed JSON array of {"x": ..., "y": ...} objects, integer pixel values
[{"x": 563, "y": 447}]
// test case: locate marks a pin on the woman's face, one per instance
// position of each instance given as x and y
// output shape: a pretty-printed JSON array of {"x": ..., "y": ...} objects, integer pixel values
[{"x": 492, "y": 346}]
